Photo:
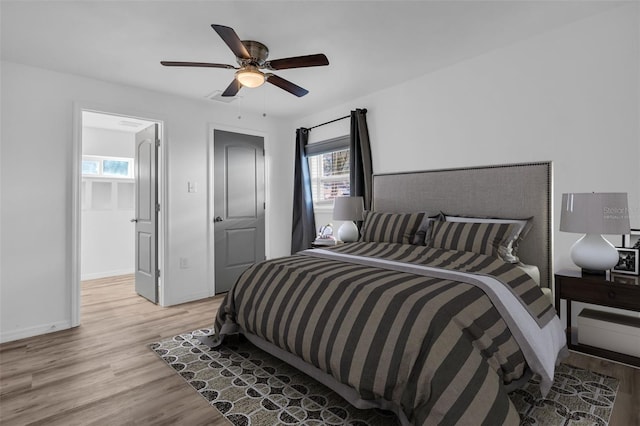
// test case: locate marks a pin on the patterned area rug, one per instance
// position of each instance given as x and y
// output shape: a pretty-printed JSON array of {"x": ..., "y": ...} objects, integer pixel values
[{"x": 251, "y": 387}]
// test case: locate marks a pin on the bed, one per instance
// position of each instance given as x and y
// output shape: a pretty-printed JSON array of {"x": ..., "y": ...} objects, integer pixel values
[{"x": 435, "y": 314}]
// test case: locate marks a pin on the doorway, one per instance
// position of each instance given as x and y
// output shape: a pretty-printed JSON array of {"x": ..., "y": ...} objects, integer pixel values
[{"x": 106, "y": 198}]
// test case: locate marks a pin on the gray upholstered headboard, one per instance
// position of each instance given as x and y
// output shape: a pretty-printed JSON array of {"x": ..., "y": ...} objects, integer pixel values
[{"x": 514, "y": 191}]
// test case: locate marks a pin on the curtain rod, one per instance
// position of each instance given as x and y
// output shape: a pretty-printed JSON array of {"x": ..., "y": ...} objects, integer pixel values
[
  {"x": 329, "y": 122},
  {"x": 337, "y": 119}
]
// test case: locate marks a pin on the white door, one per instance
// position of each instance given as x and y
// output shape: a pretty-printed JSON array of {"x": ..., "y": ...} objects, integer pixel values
[
  {"x": 147, "y": 207},
  {"x": 239, "y": 205}
]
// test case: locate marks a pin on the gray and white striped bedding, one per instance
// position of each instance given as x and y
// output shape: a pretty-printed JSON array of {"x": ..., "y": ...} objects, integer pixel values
[
  {"x": 483, "y": 238},
  {"x": 437, "y": 349},
  {"x": 390, "y": 227}
]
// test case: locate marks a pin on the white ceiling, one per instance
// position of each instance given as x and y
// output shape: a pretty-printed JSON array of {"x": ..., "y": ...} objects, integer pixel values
[{"x": 371, "y": 45}]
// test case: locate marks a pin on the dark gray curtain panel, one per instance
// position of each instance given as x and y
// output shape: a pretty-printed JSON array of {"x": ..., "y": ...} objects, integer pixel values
[
  {"x": 304, "y": 223},
  {"x": 361, "y": 168}
]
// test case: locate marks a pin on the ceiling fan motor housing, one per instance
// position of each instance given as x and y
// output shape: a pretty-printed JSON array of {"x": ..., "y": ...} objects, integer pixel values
[{"x": 258, "y": 52}]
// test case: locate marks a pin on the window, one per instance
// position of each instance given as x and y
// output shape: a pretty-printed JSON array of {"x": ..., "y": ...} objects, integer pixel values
[
  {"x": 90, "y": 167},
  {"x": 111, "y": 167},
  {"x": 329, "y": 170},
  {"x": 119, "y": 168}
]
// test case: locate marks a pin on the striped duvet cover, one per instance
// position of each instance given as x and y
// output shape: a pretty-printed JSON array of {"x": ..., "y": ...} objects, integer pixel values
[{"x": 408, "y": 325}]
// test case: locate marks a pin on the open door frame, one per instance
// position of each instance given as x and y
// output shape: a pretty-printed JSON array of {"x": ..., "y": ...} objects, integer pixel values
[{"x": 73, "y": 264}]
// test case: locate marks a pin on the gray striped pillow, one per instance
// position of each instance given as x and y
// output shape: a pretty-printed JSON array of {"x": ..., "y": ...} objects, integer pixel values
[
  {"x": 475, "y": 237},
  {"x": 390, "y": 227}
]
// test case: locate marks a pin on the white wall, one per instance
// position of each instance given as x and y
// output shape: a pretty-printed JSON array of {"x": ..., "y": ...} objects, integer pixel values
[
  {"x": 107, "y": 142},
  {"x": 571, "y": 95},
  {"x": 107, "y": 235},
  {"x": 37, "y": 139}
]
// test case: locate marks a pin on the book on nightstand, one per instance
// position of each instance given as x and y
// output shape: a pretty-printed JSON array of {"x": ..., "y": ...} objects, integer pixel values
[{"x": 325, "y": 241}]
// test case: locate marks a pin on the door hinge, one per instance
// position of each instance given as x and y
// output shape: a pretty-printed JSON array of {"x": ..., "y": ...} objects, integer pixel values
[
  {"x": 264, "y": 206},
  {"x": 158, "y": 273},
  {"x": 263, "y": 152},
  {"x": 157, "y": 207},
  {"x": 157, "y": 142}
]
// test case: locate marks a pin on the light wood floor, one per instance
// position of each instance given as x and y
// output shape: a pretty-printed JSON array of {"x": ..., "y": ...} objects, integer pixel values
[{"x": 102, "y": 373}]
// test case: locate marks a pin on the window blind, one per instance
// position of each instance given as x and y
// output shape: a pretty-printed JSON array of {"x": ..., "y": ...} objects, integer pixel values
[{"x": 335, "y": 144}]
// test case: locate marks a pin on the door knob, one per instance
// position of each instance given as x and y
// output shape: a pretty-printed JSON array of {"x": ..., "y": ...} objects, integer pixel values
[
  {"x": 134, "y": 220},
  {"x": 218, "y": 219}
]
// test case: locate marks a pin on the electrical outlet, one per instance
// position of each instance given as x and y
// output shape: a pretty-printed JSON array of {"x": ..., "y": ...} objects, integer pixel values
[{"x": 184, "y": 263}]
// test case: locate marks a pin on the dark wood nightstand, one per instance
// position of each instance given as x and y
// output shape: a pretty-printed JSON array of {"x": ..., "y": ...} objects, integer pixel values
[{"x": 610, "y": 290}]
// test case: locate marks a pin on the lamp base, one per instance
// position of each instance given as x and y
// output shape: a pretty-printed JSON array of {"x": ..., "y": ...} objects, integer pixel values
[
  {"x": 594, "y": 254},
  {"x": 348, "y": 232}
]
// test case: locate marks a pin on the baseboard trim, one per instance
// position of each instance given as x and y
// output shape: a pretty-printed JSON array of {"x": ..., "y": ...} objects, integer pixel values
[
  {"x": 97, "y": 275},
  {"x": 10, "y": 336}
]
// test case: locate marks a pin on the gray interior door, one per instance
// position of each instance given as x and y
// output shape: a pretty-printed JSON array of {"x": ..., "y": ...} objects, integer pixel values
[
  {"x": 239, "y": 205},
  {"x": 146, "y": 220}
]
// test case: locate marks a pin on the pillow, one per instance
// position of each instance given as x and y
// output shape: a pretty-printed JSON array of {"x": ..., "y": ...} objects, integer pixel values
[
  {"x": 390, "y": 227},
  {"x": 482, "y": 238},
  {"x": 423, "y": 234},
  {"x": 509, "y": 250}
]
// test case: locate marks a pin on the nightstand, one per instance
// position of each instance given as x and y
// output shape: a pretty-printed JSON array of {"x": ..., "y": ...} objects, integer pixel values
[
  {"x": 573, "y": 286},
  {"x": 314, "y": 245}
]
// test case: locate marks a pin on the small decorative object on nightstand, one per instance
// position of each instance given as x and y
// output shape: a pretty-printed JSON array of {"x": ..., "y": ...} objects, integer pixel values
[
  {"x": 627, "y": 261},
  {"x": 594, "y": 214},
  {"x": 348, "y": 209},
  {"x": 574, "y": 286},
  {"x": 632, "y": 239},
  {"x": 325, "y": 237}
]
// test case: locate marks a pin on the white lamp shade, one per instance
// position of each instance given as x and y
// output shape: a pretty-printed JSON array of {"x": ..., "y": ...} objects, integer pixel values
[
  {"x": 348, "y": 208},
  {"x": 595, "y": 213}
]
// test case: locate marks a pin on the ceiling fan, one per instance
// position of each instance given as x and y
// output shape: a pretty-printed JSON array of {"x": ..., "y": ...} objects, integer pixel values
[{"x": 252, "y": 58}]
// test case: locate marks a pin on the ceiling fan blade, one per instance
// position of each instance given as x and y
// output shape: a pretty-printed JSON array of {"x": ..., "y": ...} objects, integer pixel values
[
  {"x": 232, "y": 89},
  {"x": 196, "y": 64},
  {"x": 299, "y": 62},
  {"x": 229, "y": 36},
  {"x": 286, "y": 85}
]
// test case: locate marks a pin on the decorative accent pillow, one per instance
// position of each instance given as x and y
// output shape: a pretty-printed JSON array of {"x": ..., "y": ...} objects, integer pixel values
[
  {"x": 423, "y": 234},
  {"x": 482, "y": 238},
  {"x": 509, "y": 250},
  {"x": 390, "y": 227}
]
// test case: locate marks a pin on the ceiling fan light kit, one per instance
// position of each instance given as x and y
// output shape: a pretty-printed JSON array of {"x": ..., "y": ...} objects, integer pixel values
[
  {"x": 250, "y": 76},
  {"x": 251, "y": 56}
]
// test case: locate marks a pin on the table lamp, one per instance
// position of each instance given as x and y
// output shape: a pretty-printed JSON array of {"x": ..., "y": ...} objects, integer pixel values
[
  {"x": 594, "y": 214},
  {"x": 348, "y": 209}
]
